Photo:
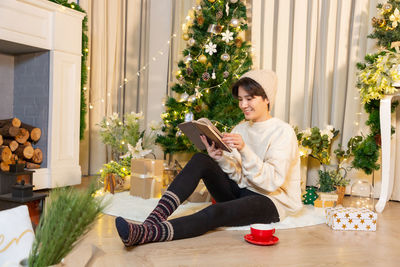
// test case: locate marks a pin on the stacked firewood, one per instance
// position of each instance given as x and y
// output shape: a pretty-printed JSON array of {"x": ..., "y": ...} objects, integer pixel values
[{"x": 16, "y": 144}]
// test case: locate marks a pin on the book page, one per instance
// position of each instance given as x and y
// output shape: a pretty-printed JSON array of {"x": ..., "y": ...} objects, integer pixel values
[
  {"x": 203, "y": 126},
  {"x": 208, "y": 122},
  {"x": 212, "y": 135}
]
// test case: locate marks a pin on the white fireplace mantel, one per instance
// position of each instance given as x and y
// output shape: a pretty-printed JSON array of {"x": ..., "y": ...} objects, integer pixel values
[{"x": 43, "y": 25}]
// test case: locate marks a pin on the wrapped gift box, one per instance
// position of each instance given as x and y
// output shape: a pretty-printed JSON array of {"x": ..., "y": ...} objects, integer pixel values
[
  {"x": 358, "y": 219},
  {"x": 146, "y": 178},
  {"x": 200, "y": 194},
  {"x": 319, "y": 203},
  {"x": 146, "y": 186},
  {"x": 326, "y": 200},
  {"x": 154, "y": 167}
]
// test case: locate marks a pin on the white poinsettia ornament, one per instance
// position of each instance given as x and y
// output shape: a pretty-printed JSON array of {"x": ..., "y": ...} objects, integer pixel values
[
  {"x": 227, "y": 36},
  {"x": 211, "y": 48},
  {"x": 136, "y": 152},
  {"x": 395, "y": 18}
]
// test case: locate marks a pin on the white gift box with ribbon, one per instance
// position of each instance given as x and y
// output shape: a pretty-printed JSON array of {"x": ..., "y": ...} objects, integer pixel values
[{"x": 358, "y": 219}]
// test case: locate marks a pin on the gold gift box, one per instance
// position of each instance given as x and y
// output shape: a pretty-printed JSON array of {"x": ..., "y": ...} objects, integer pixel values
[
  {"x": 147, "y": 166},
  {"x": 146, "y": 186},
  {"x": 319, "y": 203},
  {"x": 146, "y": 178},
  {"x": 326, "y": 200}
]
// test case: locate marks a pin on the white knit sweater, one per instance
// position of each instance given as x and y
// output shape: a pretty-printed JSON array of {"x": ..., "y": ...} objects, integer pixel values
[{"x": 269, "y": 163}]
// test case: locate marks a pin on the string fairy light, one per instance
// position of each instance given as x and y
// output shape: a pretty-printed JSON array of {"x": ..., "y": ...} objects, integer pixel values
[
  {"x": 161, "y": 52},
  {"x": 154, "y": 58}
]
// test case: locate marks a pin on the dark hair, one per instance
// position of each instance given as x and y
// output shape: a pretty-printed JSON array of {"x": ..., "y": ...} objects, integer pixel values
[{"x": 252, "y": 87}]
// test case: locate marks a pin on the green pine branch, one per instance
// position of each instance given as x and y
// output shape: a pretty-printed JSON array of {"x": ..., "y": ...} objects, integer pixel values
[{"x": 68, "y": 216}]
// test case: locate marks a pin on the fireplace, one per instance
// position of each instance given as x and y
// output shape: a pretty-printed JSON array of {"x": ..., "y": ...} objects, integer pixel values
[
  {"x": 25, "y": 87},
  {"x": 40, "y": 54}
]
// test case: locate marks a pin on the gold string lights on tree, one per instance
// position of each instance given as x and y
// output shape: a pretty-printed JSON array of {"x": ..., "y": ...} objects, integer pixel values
[{"x": 218, "y": 56}]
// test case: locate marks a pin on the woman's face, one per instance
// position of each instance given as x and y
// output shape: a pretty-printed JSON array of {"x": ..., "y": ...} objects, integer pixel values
[{"x": 255, "y": 108}]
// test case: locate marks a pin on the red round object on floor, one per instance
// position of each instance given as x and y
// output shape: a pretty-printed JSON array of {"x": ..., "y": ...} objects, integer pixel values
[{"x": 249, "y": 238}]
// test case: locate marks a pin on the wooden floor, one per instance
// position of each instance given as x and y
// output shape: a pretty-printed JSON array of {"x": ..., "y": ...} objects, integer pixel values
[{"x": 308, "y": 246}]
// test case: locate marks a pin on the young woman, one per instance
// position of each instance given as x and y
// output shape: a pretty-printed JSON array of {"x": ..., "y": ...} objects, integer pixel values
[{"x": 258, "y": 182}]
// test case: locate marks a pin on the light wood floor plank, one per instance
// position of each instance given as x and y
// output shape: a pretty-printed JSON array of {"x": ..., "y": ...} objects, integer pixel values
[{"x": 309, "y": 246}]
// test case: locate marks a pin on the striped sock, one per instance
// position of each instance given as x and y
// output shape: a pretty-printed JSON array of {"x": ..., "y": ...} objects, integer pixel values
[
  {"x": 136, "y": 234},
  {"x": 168, "y": 203}
]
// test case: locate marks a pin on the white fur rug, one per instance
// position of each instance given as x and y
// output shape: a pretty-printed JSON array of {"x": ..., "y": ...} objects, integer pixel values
[{"x": 136, "y": 209}]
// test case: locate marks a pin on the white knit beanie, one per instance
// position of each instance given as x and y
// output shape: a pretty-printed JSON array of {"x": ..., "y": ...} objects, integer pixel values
[{"x": 268, "y": 81}]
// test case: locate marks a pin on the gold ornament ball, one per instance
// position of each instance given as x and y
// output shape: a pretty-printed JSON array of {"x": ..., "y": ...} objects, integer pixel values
[
  {"x": 202, "y": 59},
  {"x": 233, "y": 1},
  {"x": 211, "y": 1},
  {"x": 185, "y": 36}
]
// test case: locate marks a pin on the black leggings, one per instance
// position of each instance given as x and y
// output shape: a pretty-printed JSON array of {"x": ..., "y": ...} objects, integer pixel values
[{"x": 234, "y": 207}]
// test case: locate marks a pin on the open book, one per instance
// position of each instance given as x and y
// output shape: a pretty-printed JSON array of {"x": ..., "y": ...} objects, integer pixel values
[{"x": 203, "y": 126}]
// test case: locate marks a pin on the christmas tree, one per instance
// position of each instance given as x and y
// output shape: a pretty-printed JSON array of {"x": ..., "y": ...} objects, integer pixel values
[
  {"x": 214, "y": 58},
  {"x": 310, "y": 196}
]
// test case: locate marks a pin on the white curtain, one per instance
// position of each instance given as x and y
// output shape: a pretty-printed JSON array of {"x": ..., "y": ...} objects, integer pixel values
[
  {"x": 314, "y": 46},
  {"x": 126, "y": 38},
  {"x": 106, "y": 22}
]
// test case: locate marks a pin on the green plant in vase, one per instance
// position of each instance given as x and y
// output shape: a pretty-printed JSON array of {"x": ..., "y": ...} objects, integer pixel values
[
  {"x": 317, "y": 143},
  {"x": 326, "y": 180},
  {"x": 336, "y": 176},
  {"x": 127, "y": 141},
  {"x": 120, "y": 134},
  {"x": 114, "y": 173}
]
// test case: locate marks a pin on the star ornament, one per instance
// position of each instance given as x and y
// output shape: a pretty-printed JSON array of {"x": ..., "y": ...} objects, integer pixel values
[
  {"x": 227, "y": 36},
  {"x": 211, "y": 48},
  {"x": 395, "y": 18}
]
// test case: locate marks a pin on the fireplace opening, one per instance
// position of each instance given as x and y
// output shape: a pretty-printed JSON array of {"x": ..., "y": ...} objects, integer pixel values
[{"x": 24, "y": 87}]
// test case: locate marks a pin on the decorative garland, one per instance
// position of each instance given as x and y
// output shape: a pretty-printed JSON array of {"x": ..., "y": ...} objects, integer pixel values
[
  {"x": 387, "y": 32},
  {"x": 85, "y": 51}
]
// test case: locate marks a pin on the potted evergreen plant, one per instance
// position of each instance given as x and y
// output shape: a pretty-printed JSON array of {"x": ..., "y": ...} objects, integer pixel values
[{"x": 69, "y": 215}]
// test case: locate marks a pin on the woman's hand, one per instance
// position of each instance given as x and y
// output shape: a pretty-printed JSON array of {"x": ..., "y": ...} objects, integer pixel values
[
  {"x": 215, "y": 153},
  {"x": 234, "y": 140}
]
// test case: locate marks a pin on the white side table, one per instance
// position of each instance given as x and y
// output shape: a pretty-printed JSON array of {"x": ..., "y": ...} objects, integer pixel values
[{"x": 388, "y": 152}]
